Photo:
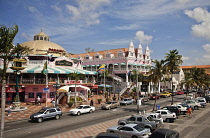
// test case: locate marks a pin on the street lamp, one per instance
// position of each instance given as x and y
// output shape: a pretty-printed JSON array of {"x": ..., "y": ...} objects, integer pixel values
[
  {"x": 17, "y": 66},
  {"x": 56, "y": 86}
]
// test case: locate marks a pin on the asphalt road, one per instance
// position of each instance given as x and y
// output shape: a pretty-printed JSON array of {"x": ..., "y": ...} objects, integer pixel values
[{"x": 186, "y": 126}]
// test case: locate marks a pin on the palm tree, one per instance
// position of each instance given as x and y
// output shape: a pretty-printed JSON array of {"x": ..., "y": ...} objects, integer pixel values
[
  {"x": 156, "y": 74},
  {"x": 7, "y": 36},
  {"x": 76, "y": 76},
  {"x": 172, "y": 62}
]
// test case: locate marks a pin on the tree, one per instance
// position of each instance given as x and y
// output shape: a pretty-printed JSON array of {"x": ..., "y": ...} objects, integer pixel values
[
  {"x": 172, "y": 62},
  {"x": 76, "y": 76},
  {"x": 156, "y": 74},
  {"x": 7, "y": 36}
]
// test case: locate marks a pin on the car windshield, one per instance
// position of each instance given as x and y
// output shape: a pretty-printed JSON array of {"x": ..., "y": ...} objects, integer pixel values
[
  {"x": 125, "y": 99},
  {"x": 108, "y": 102},
  {"x": 79, "y": 107},
  {"x": 138, "y": 128},
  {"x": 153, "y": 94},
  {"x": 170, "y": 112},
  {"x": 42, "y": 111}
]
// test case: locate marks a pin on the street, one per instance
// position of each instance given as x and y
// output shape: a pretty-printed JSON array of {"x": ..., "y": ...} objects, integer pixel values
[{"x": 197, "y": 126}]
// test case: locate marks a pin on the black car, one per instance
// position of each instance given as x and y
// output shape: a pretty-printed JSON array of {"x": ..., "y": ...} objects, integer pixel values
[
  {"x": 207, "y": 98},
  {"x": 173, "y": 109},
  {"x": 164, "y": 133}
]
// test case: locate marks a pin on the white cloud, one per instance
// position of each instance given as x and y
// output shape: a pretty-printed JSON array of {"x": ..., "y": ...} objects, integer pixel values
[
  {"x": 206, "y": 47},
  {"x": 32, "y": 9},
  {"x": 127, "y": 27},
  {"x": 87, "y": 11},
  {"x": 202, "y": 16},
  {"x": 27, "y": 37},
  {"x": 185, "y": 58},
  {"x": 143, "y": 38}
]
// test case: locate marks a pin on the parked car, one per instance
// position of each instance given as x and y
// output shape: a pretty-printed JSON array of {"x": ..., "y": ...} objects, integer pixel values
[
  {"x": 142, "y": 120},
  {"x": 110, "y": 105},
  {"x": 173, "y": 93},
  {"x": 107, "y": 135},
  {"x": 145, "y": 98},
  {"x": 195, "y": 105},
  {"x": 155, "y": 117},
  {"x": 46, "y": 113},
  {"x": 202, "y": 101},
  {"x": 154, "y": 96},
  {"x": 126, "y": 101},
  {"x": 174, "y": 109},
  {"x": 82, "y": 109},
  {"x": 167, "y": 115},
  {"x": 165, "y": 94},
  {"x": 164, "y": 133},
  {"x": 183, "y": 109},
  {"x": 130, "y": 131},
  {"x": 179, "y": 92},
  {"x": 207, "y": 97}
]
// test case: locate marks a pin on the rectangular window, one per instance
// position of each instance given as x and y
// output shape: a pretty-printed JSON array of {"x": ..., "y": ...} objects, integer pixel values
[
  {"x": 131, "y": 54},
  {"x": 107, "y": 55},
  {"x": 31, "y": 95},
  {"x": 96, "y": 56},
  {"x": 86, "y": 57},
  {"x": 52, "y": 94},
  {"x": 120, "y": 54},
  {"x": 39, "y": 94}
]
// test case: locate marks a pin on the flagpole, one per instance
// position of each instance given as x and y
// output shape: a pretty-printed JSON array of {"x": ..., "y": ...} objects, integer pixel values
[
  {"x": 46, "y": 83},
  {"x": 105, "y": 82}
]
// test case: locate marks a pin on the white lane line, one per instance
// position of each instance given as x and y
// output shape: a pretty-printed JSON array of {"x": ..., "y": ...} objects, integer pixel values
[{"x": 12, "y": 130}]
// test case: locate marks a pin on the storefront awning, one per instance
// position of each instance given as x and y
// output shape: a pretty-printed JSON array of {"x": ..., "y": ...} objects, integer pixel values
[{"x": 53, "y": 70}]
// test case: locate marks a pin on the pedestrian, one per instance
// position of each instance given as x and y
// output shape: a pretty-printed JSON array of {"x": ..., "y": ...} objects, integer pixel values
[
  {"x": 38, "y": 100},
  {"x": 91, "y": 103},
  {"x": 53, "y": 102},
  {"x": 9, "y": 110},
  {"x": 9, "y": 100},
  {"x": 189, "y": 111}
]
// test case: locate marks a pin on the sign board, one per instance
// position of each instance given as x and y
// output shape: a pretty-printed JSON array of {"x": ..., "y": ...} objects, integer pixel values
[
  {"x": 56, "y": 85},
  {"x": 68, "y": 82},
  {"x": 46, "y": 90}
]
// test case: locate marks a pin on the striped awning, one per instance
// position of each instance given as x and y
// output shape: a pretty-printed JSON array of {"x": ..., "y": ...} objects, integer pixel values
[{"x": 53, "y": 70}]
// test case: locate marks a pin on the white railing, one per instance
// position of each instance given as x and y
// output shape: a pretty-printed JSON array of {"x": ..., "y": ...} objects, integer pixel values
[
  {"x": 124, "y": 90},
  {"x": 60, "y": 96},
  {"x": 79, "y": 95}
]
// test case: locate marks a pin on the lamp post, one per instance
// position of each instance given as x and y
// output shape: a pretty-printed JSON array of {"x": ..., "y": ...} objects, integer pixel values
[{"x": 56, "y": 86}]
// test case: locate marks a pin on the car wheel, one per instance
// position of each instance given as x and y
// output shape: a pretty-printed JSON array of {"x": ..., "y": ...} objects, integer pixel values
[
  {"x": 40, "y": 120},
  {"x": 57, "y": 117},
  {"x": 168, "y": 120},
  {"x": 149, "y": 128},
  {"x": 109, "y": 108},
  {"x": 134, "y": 137},
  {"x": 78, "y": 113},
  {"x": 196, "y": 107},
  {"x": 90, "y": 111}
]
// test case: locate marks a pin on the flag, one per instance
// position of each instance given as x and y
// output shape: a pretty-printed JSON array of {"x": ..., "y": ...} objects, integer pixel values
[
  {"x": 44, "y": 70},
  {"x": 101, "y": 68}
]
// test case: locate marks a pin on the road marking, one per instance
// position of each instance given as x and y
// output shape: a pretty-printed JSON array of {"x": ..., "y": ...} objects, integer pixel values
[{"x": 12, "y": 130}]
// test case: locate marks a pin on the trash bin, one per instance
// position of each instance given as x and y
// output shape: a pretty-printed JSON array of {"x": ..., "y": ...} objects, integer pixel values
[{"x": 157, "y": 107}]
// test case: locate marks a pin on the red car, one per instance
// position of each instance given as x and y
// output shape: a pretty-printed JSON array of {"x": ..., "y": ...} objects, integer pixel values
[
  {"x": 154, "y": 96},
  {"x": 179, "y": 92}
]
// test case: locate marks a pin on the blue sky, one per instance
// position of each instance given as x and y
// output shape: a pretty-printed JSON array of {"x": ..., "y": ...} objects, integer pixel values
[{"x": 163, "y": 25}]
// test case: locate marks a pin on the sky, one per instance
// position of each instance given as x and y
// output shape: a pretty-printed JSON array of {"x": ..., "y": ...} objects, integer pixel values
[{"x": 162, "y": 25}]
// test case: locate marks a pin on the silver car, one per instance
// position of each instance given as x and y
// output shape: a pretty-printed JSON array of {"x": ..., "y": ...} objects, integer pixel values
[
  {"x": 130, "y": 131},
  {"x": 46, "y": 113},
  {"x": 110, "y": 105},
  {"x": 126, "y": 101}
]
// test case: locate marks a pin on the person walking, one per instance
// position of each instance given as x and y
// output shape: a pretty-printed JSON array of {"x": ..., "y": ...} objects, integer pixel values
[
  {"x": 9, "y": 100},
  {"x": 9, "y": 110},
  {"x": 189, "y": 111},
  {"x": 38, "y": 100}
]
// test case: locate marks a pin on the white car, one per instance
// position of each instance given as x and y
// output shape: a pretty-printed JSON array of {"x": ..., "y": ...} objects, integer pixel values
[
  {"x": 167, "y": 115},
  {"x": 130, "y": 131},
  {"x": 155, "y": 117},
  {"x": 82, "y": 109}
]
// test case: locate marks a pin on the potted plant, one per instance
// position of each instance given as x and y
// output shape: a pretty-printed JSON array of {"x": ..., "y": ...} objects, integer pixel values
[
  {"x": 70, "y": 104},
  {"x": 114, "y": 98},
  {"x": 99, "y": 101}
]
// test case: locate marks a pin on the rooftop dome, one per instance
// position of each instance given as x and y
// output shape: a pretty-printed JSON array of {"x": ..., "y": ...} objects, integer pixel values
[{"x": 42, "y": 46}]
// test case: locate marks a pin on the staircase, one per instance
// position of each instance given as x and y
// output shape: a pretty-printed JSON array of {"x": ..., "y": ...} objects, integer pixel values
[{"x": 117, "y": 78}]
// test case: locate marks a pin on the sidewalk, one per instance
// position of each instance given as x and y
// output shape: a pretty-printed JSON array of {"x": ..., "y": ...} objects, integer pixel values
[{"x": 16, "y": 116}]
